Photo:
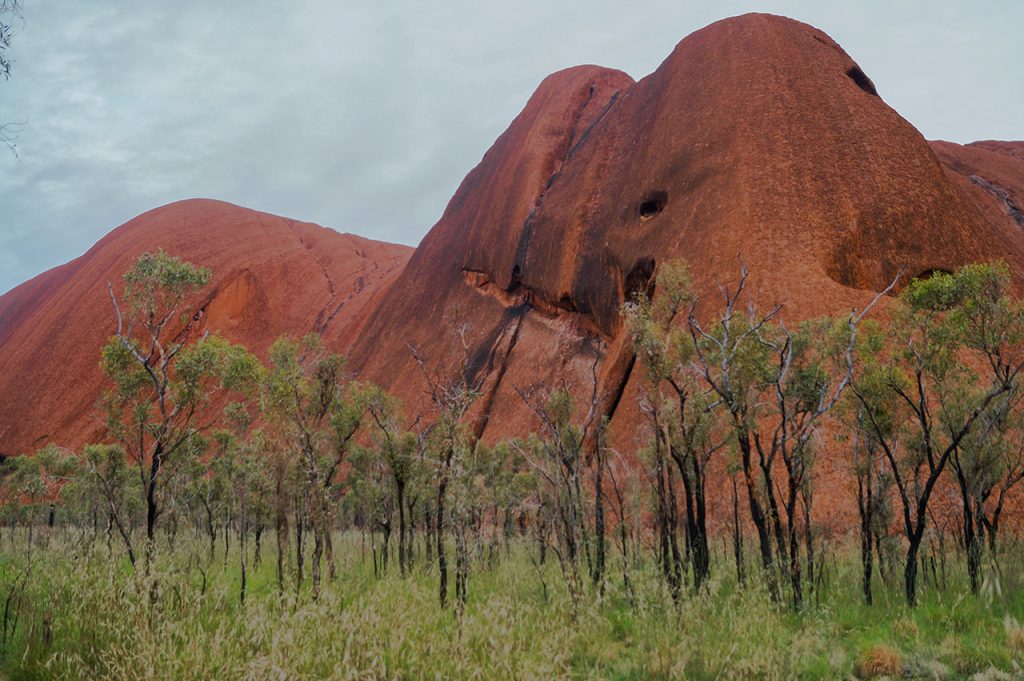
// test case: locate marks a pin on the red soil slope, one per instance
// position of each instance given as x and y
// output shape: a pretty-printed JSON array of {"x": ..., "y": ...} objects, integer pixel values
[
  {"x": 271, "y": 275},
  {"x": 758, "y": 137}
]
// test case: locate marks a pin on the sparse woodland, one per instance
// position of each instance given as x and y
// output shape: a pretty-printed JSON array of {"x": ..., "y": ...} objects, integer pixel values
[{"x": 282, "y": 519}]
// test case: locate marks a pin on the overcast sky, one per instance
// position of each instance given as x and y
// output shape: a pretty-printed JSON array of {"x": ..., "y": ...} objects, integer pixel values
[{"x": 365, "y": 116}]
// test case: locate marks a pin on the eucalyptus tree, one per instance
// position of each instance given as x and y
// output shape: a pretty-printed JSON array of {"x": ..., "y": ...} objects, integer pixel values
[
  {"x": 207, "y": 490},
  {"x": 399, "y": 453},
  {"x": 741, "y": 376},
  {"x": 557, "y": 453},
  {"x": 775, "y": 386},
  {"x": 478, "y": 489},
  {"x": 370, "y": 498},
  {"x": 684, "y": 419},
  {"x": 811, "y": 367},
  {"x": 164, "y": 381},
  {"x": 36, "y": 482},
  {"x": 281, "y": 478},
  {"x": 657, "y": 469},
  {"x": 317, "y": 410},
  {"x": 503, "y": 490},
  {"x": 452, "y": 388},
  {"x": 449, "y": 446},
  {"x": 874, "y": 490},
  {"x": 626, "y": 498},
  {"x": 987, "y": 465},
  {"x": 108, "y": 477},
  {"x": 238, "y": 461},
  {"x": 994, "y": 487},
  {"x": 955, "y": 353}
]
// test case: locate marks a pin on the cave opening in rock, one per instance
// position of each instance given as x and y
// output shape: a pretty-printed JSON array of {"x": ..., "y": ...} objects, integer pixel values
[
  {"x": 653, "y": 204},
  {"x": 638, "y": 282},
  {"x": 862, "y": 80}
]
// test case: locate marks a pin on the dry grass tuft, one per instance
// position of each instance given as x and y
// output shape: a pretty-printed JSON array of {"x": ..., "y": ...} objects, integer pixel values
[
  {"x": 879, "y": 661},
  {"x": 1014, "y": 635},
  {"x": 906, "y": 628}
]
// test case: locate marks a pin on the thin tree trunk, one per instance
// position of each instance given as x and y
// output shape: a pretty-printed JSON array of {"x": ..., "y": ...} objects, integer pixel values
[
  {"x": 864, "y": 506},
  {"x": 402, "y": 555},
  {"x": 318, "y": 550},
  {"x": 599, "y": 529},
  {"x": 737, "y": 535},
  {"x": 910, "y": 570},
  {"x": 151, "y": 506},
  {"x": 758, "y": 517},
  {"x": 281, "y": 532},
  {"x": 299, "y": 548},
  {"x": 442, "y": 558}
]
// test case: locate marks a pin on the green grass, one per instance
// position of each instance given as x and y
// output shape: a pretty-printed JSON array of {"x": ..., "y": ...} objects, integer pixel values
[{"x": 86, "y": 615}]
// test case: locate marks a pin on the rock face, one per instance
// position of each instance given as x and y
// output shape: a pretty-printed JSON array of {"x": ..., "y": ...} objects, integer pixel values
[
  {"x": 992, "y": 174},
  {"x": 758, "y": 137},
  {"x": 271, "y": 275}
]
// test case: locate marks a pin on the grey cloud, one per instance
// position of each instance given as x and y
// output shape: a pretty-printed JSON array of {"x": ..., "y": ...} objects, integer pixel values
[{"x": 364, "y": 116}]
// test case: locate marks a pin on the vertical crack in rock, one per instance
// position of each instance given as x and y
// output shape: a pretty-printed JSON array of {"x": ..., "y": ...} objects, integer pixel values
[
  {"x": 616, "y": 361},
  {"x": 577, "y": 117},
  {"x": 620, "y": 388},
  {"x": 508, "y": 336},
  {"x": 639, "y": 281},
  {"x": 320, "y": 325},
  {"x": 519, "y": 299},
  {"x": 322, "y": 317},
  {"x": 586, "y": 133},
  {"x": 622, "y": 360},
  {"x": 523, "y": 246},
  {"x": 360, "y": 285}
]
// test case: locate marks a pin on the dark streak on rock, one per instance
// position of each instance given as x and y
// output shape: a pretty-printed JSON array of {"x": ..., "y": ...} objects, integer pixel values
[{"x": 995, "y": 190}]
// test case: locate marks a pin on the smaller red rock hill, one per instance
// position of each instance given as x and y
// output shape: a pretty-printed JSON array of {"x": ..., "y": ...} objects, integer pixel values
[{"x": 271, "y": 276}]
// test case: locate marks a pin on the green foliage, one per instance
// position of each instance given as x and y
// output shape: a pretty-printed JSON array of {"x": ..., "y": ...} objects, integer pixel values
[
  {"x": 662, "y": 343},
  {"x": 39, "y": 476},
  {"x": 155, "y": 379},
  {"x": 939, "y": 383},
  {"x": 307, "y": 394},
  {"x": 937, "y": 386},
  {"x": 231, "y": 367},
  {"x": 944, "y": 329},
  {"x": 163, "y": 386},
  {"x": 157, "y": 284},
  {"x": 968, "y": 309}
]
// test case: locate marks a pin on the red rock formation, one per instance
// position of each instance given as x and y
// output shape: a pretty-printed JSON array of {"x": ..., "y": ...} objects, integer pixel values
[
  {"x": 992, "y": 174},
  {"x": 271, "y": 275},
  {"x": 463, "y": 269},
  {"x": 758, "y": 137},
  {"x": 1014, "y": 149}
]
